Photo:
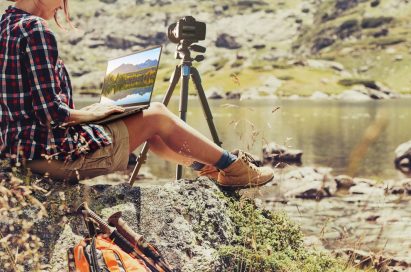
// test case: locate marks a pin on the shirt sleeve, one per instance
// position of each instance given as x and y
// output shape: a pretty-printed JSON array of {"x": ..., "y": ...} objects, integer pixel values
[{"x": 42, "y": 55}]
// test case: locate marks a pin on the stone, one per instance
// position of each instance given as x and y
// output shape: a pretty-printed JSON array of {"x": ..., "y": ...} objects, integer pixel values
[
  {"x": 274, "y": 153},
  {"x": 215, "y": 95},
  {"x": 227, "y": 41},
  {"x": 232, "y": 95},
  {"x": 344, "y": 181},
  {"x": 317, "y": 95},
  {"x": 403, "y": 155},
  {"x": 308, "y": 183},
  {"x": 353, "y": 95}
]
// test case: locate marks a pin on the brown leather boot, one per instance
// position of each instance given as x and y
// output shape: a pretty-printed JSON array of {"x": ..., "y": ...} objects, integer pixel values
[
  {"x": 208, "y": 171},
  {"x": 243, "y": 173}
]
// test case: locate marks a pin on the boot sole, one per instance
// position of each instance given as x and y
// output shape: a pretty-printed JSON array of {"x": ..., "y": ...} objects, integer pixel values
[{"x": 248, "y": 186}]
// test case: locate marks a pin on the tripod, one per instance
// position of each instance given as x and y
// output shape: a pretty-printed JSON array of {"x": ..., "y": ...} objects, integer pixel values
[{"x": 184, "y": 70}]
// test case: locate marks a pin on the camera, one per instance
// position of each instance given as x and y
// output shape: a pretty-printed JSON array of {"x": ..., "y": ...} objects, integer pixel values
[{"x": 187, "y": 28}]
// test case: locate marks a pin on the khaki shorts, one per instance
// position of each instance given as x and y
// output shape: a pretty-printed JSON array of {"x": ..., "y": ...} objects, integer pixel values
[{"x": 104, "y": 160}]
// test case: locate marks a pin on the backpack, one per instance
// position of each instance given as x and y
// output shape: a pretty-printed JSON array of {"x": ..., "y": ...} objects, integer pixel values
[{"x": 106, "y": 249}]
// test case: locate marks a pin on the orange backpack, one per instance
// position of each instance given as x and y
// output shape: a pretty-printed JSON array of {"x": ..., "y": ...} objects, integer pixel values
[
  {"x": 101, "y": 254},
  {"x": 113, "y": 248}
]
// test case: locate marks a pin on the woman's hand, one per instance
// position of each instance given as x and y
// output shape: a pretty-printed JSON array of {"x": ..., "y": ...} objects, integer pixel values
[
  {"x": 92, "y": 113},
  {"x": 99, "y": 111}
]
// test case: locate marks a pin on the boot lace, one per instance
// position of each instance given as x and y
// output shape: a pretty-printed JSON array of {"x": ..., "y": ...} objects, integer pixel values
[{"x": 249, "y": 159}]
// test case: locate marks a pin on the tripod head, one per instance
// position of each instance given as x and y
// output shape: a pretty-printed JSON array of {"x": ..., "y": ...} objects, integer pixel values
[{"x": 184, "y": 49}]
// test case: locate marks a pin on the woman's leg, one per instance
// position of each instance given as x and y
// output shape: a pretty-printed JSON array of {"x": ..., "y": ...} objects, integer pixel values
[
  {"x": 159, "y": 147},
  {"x": 158, "y": 121}
]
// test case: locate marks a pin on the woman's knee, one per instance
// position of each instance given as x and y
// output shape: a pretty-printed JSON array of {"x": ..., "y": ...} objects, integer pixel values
[
  {"x": 158, "y": 109},
  {"x": 163, "y": 119}
]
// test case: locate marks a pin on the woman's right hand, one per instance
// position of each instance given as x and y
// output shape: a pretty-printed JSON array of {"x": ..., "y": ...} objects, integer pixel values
[
  {"x": 92, "y": 113},
  {"x": 99, "y": 111}
]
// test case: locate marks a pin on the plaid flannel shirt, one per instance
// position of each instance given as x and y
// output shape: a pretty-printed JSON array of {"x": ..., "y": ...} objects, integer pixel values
[{"x": 36, "y": 94}]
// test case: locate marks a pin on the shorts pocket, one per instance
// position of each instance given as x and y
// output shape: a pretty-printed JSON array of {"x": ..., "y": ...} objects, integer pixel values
[{"x": 102, "y": 158}]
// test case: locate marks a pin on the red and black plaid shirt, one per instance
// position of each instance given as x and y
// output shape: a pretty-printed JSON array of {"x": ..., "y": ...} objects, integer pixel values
[{"x": 36, "y": 94}]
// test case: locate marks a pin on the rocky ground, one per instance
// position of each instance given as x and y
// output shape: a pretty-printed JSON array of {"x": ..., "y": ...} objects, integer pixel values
[{"x": 194, "y": 224}]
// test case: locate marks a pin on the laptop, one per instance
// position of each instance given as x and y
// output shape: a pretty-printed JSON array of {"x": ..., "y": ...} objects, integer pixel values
[{"x": 129, "y": 82}]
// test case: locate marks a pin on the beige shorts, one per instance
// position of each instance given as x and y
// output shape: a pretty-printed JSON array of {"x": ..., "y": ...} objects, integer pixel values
[{"x": 104, "y": 160}]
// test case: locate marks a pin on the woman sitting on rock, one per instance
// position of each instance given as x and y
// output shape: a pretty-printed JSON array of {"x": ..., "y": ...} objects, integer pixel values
[{"x": 41, "y": 129}]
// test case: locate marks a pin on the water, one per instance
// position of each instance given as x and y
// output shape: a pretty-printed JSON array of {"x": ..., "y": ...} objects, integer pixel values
[{"x": 326, "y": 131}]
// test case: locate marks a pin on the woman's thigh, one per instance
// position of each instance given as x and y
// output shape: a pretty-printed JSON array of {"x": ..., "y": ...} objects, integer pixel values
[{"x": 104, "y": 160}]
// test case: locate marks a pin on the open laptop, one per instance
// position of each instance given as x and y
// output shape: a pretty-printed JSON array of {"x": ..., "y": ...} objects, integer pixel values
[{"x": 129, "y": 82}]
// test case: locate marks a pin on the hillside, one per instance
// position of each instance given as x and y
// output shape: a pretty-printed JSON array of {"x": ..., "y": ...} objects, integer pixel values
[{"x": 305, "y": 46}]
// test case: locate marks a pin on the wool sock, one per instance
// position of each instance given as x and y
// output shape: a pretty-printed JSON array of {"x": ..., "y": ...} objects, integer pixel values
[{"x": 226, "y": 160}]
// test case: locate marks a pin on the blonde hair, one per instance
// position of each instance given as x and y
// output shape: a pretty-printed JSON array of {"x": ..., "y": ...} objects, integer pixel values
[{"x": 66, "y": 14}]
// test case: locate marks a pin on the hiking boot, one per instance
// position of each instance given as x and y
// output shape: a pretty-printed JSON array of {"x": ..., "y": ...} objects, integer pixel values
[
  {"x": 208, "y": 171},
  {"x": 211, "y": 171},
  {"x": 243, "y": 173}
]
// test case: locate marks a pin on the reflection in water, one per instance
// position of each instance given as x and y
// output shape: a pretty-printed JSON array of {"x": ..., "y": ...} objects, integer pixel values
[{"x": 326, "y": 131}]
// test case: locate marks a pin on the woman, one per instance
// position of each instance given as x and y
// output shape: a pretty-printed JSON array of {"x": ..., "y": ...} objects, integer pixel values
[{"x": 40, "y": 127}]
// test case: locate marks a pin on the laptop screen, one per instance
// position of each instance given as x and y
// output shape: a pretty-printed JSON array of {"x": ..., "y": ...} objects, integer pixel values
[{"x": 129, "y": 80}]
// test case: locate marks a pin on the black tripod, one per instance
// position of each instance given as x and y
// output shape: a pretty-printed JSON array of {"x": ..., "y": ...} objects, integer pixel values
[{"x": 186, "y": 70}]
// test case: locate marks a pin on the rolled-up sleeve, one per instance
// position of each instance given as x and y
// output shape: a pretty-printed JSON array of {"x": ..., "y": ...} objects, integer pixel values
[{"x": 42, "y": 56}]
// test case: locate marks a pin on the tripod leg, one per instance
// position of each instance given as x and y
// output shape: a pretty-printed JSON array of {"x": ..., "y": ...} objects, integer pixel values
[
  {"x": 183, "y": 105},
  {"x": 206, "y": 108},
  {"x": 142, "y": 157}
]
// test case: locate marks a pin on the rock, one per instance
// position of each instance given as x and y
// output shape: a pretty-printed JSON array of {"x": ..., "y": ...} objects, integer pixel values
[
  {"x": 108, "y": 1},
  {"x": 215, "y": 95},
  {"x": 120, "y": 41},
  {"x": 353, "y": 95},
  {"x": 274, "y": 153},
  {"x": 403, "y": 155},
  {"x": 226, "y": 41},
  {"x": 308, "y": 183},
  {"x": 232, "y": 95},
  {"x": 188, "y": 220},
  {"x": 398, "y": 187},
  {"x": 323, "y": 64},
  {"x": 398, "y": 58},
  {"x": 364, "y": 259},
  {"x": 319, "y": 96},
  {"x": 344, "y": 181},
  {"x": 366, "y": 189},
  {"x": 321, "y": 43}
]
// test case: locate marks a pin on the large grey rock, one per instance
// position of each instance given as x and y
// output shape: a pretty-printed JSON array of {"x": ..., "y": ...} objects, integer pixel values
[
  {"x": 403, "y": 155},
  {"x": 185, "y": 219}
]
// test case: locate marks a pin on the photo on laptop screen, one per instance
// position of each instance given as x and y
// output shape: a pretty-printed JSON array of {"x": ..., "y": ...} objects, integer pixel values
[{"x": 130, "y": 80}]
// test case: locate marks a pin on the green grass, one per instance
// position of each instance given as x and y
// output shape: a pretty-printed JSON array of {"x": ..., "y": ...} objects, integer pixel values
[{"x": 268, "y": 241}]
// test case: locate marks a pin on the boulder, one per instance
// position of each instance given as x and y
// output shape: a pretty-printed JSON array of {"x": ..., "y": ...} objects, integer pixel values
[
  {"x": 319, "y": 96},
  {"x": 193, "y": 223},
  {"x": 353, "y": 95},
  {"x": 227, "y": 41},
  {"x": 344, "y": 181},
  {"x": 232, "y": 95},
  {"x": 308, "y": 183},
  {"x": 215, "y": 95},
  {"x": 274, "y": 153},
  {"x": 403, "y": 155}
]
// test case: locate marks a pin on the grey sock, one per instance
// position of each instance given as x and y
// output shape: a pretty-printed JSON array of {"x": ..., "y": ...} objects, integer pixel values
[{"x": 226, "y": 160}]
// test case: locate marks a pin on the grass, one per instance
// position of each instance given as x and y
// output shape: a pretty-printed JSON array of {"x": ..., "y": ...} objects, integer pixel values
[{"x": 269, "y": 241}]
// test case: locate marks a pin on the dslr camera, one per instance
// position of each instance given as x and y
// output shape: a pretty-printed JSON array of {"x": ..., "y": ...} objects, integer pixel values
[{"x": 187, "y": 28}]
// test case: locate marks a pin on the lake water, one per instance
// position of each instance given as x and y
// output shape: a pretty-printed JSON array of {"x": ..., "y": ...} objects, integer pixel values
[{"x": 327, "y": 131}]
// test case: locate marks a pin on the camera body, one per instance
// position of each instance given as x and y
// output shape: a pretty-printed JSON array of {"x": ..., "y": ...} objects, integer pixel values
[{"x": 187, "y": 28}]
